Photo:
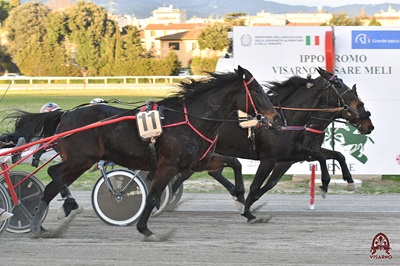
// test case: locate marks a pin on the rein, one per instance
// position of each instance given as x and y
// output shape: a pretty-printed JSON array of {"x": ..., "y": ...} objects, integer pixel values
[
  {"x": 212, "y": 142},
  {"x": 328, "y": 110},
  {"x": 298, "y": 128}
]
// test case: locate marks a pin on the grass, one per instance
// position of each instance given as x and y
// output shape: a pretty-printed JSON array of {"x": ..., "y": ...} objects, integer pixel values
[{"x": 32, "y": 101}]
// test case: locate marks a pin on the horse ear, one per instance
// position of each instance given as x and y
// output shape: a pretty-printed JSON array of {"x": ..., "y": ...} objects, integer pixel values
[
  {"x": 240, "y": 71},
  {"x": 354, "y": 89},
  {"x": 325, "y": 74}
]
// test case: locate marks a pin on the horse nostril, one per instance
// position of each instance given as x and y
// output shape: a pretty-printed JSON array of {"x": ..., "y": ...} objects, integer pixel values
[{"x": 370, "y": 128}]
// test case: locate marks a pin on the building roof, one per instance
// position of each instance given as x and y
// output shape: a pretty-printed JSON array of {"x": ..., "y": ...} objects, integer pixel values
[
  {"x": 186, "y": 35},
  {"x": 304, "y": 24},
  {"x": 262, "y": 24},
  {"x": 173, "y": 26}
]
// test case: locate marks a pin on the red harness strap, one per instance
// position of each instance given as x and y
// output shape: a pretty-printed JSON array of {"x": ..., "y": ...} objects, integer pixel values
[
  {"x": 187, "y": 122},
  {"x": 317, "y": 131},
  {"x": 249, "y": 96},
  {"x": 153, "y": 107}
]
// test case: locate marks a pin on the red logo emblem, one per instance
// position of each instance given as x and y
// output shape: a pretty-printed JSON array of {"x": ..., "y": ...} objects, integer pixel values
[
  {"x": 398, "y": 159},
  {"x": 380, "y": 247}
]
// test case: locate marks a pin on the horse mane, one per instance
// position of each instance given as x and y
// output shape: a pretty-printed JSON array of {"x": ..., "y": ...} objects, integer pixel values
[
  {"x": 190, "y": 89},
  {"x": 279, "y": 91}
]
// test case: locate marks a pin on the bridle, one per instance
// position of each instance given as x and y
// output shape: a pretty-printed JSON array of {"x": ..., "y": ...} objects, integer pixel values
[
  {"x": 250, "y": 98},
  {"x": 346, "y": 107},
  {"x": 342, "y": 106}
]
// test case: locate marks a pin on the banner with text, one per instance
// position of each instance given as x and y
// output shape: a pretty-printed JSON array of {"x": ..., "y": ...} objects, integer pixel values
[{"x": 366, "y": 56}]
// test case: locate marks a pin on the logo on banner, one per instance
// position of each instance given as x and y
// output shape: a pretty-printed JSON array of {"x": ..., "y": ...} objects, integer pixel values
[
  {"x": 378, "y": 39},
  {"x": 312, "y": 40},
  {"x": 245, "y": 40},
  {"x": 380, "y": 247},
  {"x": 349, "y": 138}
]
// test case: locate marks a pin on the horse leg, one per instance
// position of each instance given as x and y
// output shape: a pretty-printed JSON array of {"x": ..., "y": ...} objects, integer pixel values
[
  {"x": 160, "y": 181},
  {"x": 237, "y": 190},
  {"x": 329, "y": 154},
  {"x": 325, "y": 176},
  {"x": 58, "y": 185},
  {"x": 265, "y": 167},
  {"x": 312, "y": 155},
  {"x": 50, "y": 192},
  {"x": 180, "y": 178},
  {"x": 215, "y": 164},
  {"x": 279, "y": 170}
]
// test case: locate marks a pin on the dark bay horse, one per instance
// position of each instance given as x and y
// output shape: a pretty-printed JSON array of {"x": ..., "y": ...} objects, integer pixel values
[
  {"x": 306, "y": 104},
  {"x": 191, "y": 120},
  {"x": 359, "y": 119}
]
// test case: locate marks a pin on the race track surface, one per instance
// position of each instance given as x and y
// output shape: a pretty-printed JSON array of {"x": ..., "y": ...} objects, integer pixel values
[{"x": 206, "y": 229}]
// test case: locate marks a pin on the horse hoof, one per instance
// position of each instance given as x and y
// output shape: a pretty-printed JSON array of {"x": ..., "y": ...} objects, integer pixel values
[
  {"x": 151, "y": 238},
  {"x": 322, "y": 192},
  {"x": 239, "y": 206},
  {"x": 261, "y": 220},
  {"x": 61, "y": 212},
  {"x": 37, "y": 230},
  {"x": 351, "y": 187}
]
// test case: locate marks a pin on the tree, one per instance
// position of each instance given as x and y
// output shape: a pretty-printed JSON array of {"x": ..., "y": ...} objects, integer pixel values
[
  {"x": 200, "y": 66},
  {"x": 5, "y": 7},
  {"x": 233, "y": 19},
  {"x": 27, "y": 35},
  {"x": 214, "y": 37},
  {"x": 374, "y": 22},
  {"x": 128, "y": 51},
  {"x": 6, "y": 62},
  {"x": 90, "y": 32},
  {"x": 342, "y": 20},
  {"x": 15, "y": 3}
]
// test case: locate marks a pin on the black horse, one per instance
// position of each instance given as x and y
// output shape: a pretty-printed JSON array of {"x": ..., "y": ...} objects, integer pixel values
[
  {"x": 308, "y": 106},
  {"x": 359, "y": 119},
  {"x": 191, "y": 120}
]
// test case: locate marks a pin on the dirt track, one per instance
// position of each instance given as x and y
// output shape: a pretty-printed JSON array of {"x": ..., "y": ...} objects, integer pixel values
[{"x": 209, "y": 231}]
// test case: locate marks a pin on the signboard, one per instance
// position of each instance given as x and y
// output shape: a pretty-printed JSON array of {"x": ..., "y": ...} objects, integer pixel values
[{"x": 366, "y": 56}]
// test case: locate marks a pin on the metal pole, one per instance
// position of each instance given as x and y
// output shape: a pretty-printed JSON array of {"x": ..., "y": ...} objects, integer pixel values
[{"x": 333, "y": 146}]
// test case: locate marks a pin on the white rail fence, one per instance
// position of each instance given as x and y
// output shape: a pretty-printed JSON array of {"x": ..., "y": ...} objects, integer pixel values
[{"x": 126, "y": 80}]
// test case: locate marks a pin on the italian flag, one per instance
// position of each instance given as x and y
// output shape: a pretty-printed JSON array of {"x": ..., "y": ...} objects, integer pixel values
[{"x": 312, "y": 40}]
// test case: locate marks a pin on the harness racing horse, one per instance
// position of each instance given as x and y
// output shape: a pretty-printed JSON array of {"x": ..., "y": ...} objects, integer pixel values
[
  {"x": 359, "y": 119},
  {"x": 301, "y": 100},
  {"x": 191, "y": 120}
]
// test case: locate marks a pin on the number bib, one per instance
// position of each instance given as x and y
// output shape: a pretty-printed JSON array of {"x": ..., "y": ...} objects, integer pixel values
[{"x": 149, "y": 124}]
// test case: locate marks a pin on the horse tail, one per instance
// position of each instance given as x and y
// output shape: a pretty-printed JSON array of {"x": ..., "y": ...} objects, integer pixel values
[{"x": 32, "y": 126}]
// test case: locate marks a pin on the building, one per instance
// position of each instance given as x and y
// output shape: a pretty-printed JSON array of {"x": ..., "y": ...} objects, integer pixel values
[
  {"x": 186, "y": 46},
  {"x": 390, "y": 17},
  {"x": 167, "y": 14},
  {"x": 153, "y": 32}
]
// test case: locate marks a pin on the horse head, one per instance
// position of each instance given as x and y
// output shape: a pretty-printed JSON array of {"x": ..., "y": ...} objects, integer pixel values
[
  {"x": 353, "y": 108},
  {"x": 256, "y": 100}
]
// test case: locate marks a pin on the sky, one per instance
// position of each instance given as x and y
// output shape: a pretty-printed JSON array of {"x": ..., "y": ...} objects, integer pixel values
[{"x": 334, "y": 3}]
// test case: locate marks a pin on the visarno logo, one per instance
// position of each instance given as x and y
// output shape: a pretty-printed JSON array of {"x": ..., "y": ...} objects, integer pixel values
[
  {"x": 351, "y": 140},
  {"x": 380, "y": 248}
]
